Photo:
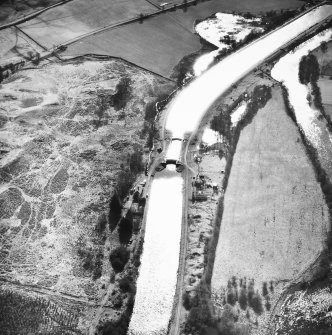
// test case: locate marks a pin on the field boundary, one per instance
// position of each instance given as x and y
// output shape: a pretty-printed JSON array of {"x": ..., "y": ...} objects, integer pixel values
[{"x": 108, "y": 57}]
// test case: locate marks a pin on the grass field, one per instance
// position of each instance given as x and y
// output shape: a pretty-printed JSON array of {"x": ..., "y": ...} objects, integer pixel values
[
  {"x": 75, "y": 18},
  {"x": 157, "y": 44},
  {"x": 275, "y": 218}
]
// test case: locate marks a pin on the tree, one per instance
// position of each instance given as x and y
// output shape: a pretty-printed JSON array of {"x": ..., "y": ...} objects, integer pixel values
[
  {"x": 101, "y": 223},
  {"x": 125, "y": 180},
  {"x": 265, "y": 290},
  {"x": 243, "y": 300},
  {"x": 136, "y": 161},
  {"x": 115, "y": 212},
  {"x": 126, "y": 284},
  {"x": 323, "y": 47},
  {"x": 136, "y": 196},
  {"x": 123, "y": 93},
  {"x": 125, "y": 230},
  {"x": 308, "y": 69},
  {"x": 256, "y": 303},
  {"x": 150, "y": 111},
  {"x": 119, "y": 258}
]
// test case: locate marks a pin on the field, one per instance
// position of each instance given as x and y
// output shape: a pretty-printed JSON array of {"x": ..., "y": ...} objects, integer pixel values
[
  {"x": 75, "y": 18},
  {"x": 13, "y": 10},
  {"x": 325, "y": 81},
  {"x": 15, "y": 46},
  {"x": 63, "y": 146},
  {"x": 201, "y": 11},
  {"x": 275, "y": 218},
  {"x": 325, "y": 86},
  {"x": 157, "y": 44}
]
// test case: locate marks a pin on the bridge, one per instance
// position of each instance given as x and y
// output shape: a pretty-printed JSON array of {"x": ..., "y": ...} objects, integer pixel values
[{"x": 179, "y": 165}]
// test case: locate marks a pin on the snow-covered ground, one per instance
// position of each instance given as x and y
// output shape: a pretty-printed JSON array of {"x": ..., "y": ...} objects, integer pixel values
[
  {"x": 238, "y": 113},
  {"x": 237, "y": 27},
  {"x": 286, "y": 70},
  {"x": 215, "y": 29},
  {"x": 210, "y": 136},
  {"x": 204, "y": 61}
]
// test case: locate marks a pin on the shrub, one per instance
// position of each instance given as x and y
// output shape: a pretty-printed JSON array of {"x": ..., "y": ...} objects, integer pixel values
[{"x": 119, "y": 258}]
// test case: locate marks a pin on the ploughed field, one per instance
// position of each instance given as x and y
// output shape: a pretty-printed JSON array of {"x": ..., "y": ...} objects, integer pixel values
[{"x": 275, "y": 217}]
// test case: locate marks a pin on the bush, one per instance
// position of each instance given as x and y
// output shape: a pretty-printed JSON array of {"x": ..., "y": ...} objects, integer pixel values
[{"x": 119, "y": 258}]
